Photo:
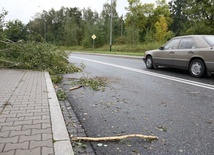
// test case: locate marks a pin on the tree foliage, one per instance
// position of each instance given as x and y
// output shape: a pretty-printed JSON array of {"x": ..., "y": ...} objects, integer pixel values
[
  {"x": 179, "y": 16},
  {"x": 142, "y": 23},
  {"x": 162, "y": 32},
  {"x": 15, "y": 30},
  {"x": 141, "y": 19},
  {"x": 192, "y": 16},
  {"x": 201, "y": 16},
  {"x": 2, "y": 24},
  {"x": 135, "y": 21}
]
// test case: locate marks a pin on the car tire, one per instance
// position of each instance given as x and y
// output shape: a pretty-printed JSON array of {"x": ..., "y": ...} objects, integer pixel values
[
  {"x": 149, "y": 62},
  {"x": 197, "y": 68}
]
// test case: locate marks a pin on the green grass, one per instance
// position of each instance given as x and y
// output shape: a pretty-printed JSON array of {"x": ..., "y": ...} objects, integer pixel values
[
  {"x": 132, "y": 50},
  {"x": 116, "y": 53}
]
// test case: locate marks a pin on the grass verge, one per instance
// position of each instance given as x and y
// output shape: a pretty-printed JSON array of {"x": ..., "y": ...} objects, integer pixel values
[{"x": 131, "y": 50}]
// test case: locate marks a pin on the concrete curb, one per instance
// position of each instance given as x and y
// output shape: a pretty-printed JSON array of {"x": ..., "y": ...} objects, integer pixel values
[{"x": 62, "y": 143}]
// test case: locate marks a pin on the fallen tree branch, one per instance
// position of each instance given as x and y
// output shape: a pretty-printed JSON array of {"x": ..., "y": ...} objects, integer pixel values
[
  {"x": 6, "y": 61},
  {"x": 114, "y": 138},
  {"x": 74, "y": 88},
  {"x": 5, "y": 50},
  {"x": 6, "y": 42},
  {"x": 10, "y": 62}
]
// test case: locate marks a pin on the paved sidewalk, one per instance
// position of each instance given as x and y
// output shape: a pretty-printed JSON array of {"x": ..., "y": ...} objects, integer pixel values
[{"x": 31, "y": 121}]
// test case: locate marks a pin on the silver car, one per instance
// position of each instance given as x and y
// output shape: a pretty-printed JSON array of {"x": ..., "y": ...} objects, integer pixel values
[{"x": 193, "y": 52}]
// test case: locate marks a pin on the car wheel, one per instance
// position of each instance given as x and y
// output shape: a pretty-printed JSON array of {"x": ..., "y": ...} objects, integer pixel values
[
  {"x": 149, "y": 62},
  {"x": 197, "y": 68}
]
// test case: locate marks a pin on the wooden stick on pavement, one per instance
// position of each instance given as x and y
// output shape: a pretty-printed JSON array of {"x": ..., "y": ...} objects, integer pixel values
[{"x": 114, "y": 138}]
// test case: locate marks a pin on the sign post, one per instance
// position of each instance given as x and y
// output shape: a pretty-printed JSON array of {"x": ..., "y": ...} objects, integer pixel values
[{"x": 93, "y": 37}]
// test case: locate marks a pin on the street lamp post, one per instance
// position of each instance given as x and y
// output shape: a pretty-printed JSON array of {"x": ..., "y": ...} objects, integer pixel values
[
  {"x": 45, "y": 35},
  {"x": 111, "y": 28},
  {"x": 121, "y": 26}
]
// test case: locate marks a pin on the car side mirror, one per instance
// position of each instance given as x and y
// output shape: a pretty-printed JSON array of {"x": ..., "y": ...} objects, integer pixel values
[{"x": 161, "y": 48}]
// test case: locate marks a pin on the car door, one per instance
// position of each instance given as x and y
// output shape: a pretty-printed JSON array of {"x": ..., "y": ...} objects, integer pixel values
[
  {"x": 184, "y": 52},
  {"x": 166, "y": 54}
]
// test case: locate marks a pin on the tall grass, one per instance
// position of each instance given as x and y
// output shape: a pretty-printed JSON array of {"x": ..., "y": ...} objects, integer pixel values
[{"x": 135, "y": 50}]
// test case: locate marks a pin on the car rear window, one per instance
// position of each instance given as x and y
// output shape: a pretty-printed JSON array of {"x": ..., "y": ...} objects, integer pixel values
[
  {"x": 210, "y": 40},
  {"x": 186, "y": 43}
]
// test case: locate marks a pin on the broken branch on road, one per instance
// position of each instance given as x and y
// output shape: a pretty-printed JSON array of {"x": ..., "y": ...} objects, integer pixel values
[
  {"x": 114, "y": 138},
  {"x": 74, "y": 88}
]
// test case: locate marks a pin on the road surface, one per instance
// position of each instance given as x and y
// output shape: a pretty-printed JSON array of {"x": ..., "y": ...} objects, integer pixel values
[{"x": 167, "y": 103}]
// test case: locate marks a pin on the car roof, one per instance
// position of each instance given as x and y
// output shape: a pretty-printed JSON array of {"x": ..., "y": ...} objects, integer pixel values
[
  {"x": 198, "y": 39},
  {"x": 193, "y": 36}
]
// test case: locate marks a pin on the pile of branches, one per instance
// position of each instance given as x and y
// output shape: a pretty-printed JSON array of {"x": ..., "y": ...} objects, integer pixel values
[{"x": 35, "y": 56}]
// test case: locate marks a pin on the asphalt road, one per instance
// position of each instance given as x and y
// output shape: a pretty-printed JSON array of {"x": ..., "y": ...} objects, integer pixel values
[{"x": 167, "y": 103}]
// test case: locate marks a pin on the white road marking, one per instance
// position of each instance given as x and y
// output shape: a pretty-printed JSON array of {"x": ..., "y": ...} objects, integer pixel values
[{"x": 199, "y": 84}]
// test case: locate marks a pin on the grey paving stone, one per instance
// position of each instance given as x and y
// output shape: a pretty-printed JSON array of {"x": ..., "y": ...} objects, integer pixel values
[
  {"x": 17, "y": 111},
  {"x": 36, "y": 151},
  {"x": 4, "y": 115},
  {"x": 28, "y": 122},
  {"x": 42, "y": 114},
  {"x": 19, "y": 133},
  {"x": 17, "y": 104},
  {"x": 21, "y": 100},
  {"x": 47, "y": 151},
  {"x": 1, "y": 147},
  {"x": 46, "y": 125},
  {"x": 25, "y": 104},
  {"x": 42, "y": 107},
  {"x": 4, "y": 134},
  {"x": 11, "y": 108},
  {"x": 47, "y": 131},
  {"x": 32, "y": 126},
  {"x": 6, "y": 124},
  {"x": 45, "y": 110},
  {"x": 14, "y": 146},
  {"x": 25, "y": 114},
  {"x": 34, "y": 111},
  {"x": 48, "y": 121},
  {"x": 8, "y": 152},
  {"x": 46, "y": 143},
  {"x": 9, "y": 140},
  {"x": 27, "y": 108},
  {"x": 37, "y": 137},
  {"x": 9, "y": 119},
  {"x": 33, "y": 118},
  {"x": 11, "y": 128},
  {"x": 5, "y": 112},
  {"x": 45, "y": 117},
  {"x": 46, "y": 136}
]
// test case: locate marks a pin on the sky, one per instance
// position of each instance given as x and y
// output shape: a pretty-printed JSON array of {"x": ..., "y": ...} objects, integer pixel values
[{"x": 25, "y": 10}]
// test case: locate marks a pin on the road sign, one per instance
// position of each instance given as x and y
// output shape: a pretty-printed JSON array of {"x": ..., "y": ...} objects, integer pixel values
[{"x": 93, "y": 36}]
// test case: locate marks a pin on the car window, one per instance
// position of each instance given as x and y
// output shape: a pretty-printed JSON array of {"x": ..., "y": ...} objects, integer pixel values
[
  {"x": 172, "y": 44},
  {"x": 186, "y": 43},
  {"x": 210, "y": 40}
]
